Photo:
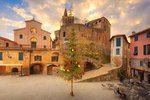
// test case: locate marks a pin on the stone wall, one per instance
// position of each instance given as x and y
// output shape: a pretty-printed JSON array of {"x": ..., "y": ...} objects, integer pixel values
[{"x": 110, "y": 76}]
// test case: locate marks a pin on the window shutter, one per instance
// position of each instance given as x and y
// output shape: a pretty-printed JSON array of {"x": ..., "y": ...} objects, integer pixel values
[
  {"x": 34, "y": 58},
  {"x": 1, "y": 56},
  {"x": 118, "y": 41},
  {"x": 40, "y": 58},
  {"x": 57, "y": 58},
  {"x": 141, "y": 63},
  {"x": 20, "y": 56},
  {"x": 51, "y": 58},
  {"x": 144, "y": 49}
]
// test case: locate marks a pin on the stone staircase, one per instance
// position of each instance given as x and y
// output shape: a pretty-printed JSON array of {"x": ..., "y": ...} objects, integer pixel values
[{"x": 107, "y": 73}]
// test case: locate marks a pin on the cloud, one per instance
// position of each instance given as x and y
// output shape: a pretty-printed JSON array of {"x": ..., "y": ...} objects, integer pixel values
[
  {"x": 9, "y": 22},
  {"x": 22, "y": 12},
  {"x": 125, "y": 16}
]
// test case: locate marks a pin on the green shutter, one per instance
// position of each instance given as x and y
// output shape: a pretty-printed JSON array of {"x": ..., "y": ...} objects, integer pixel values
[
  {"x": 20, "y": 56},
  {"x": 34, "y": 58},
  {"x": 148, "y": 34},
  {"x": 144, "y": 49},
  {"x": 51, "y": 58},
  {"x": 1, "y": 56},
  {"x": 40, "y": 58},
  {"x": 141, "y": 63}
]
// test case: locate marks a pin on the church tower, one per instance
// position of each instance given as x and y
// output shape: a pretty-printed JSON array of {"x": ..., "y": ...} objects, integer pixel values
[{"x": 67, "y": 19}]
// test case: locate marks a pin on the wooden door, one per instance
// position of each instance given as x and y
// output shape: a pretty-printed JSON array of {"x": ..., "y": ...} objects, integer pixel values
[{"x": 2, "y": 69}]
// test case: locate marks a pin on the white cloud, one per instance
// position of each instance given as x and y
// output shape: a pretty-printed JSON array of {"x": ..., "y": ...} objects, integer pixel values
[
  {"x": 9, "y": 22},
  {"x": 22, "y": 12}
]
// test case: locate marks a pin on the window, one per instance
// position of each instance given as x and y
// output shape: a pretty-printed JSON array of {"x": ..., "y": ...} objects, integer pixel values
[
  {"x": 118, "y": 42},
  {"x": 148, "y": 64},
  {"x": 21, "y": 36},
  {"x": 148, "y": 49},
  {"x": 141, "y": 63},
  {"x": 1, "y": 56},
  {"x": 148, "y": 34},
  {"x": 64, "y": 34},
  {"x": 44, "y": 46},
  {"x": 54, "y": 58},
  {"x": 44, "y": 38},
  {"x": 7, "y": 44},
  {"x": 135, "y": 50},
  {"x": 37, "y": 58},
  {"x": 33, "y": 30},
  {"x": 118, "y": 51},
  {"x": 21, "y": 56},
  {"x": 136, "y": 38},
  {"x": 144, "y": 49}
]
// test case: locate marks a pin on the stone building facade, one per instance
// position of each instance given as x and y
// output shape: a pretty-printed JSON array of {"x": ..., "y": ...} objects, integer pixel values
[
  {"x": 120, "y": 51},
  {"x": 30, "y": 53},
  {"x": 140, "y": 55},
  {"x": 32, "y": 35}
]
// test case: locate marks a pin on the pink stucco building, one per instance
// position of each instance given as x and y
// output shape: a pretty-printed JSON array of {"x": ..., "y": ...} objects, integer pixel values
[
  {"x": 140, "y": 55},
  {"x": 32, "y": 35}
]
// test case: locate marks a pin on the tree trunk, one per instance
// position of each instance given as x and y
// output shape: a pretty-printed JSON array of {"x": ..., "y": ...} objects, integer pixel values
[{"x": 71, "y": 93}]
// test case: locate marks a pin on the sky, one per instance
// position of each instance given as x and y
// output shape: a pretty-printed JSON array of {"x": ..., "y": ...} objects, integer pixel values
[{"x": 125, "y": 16}]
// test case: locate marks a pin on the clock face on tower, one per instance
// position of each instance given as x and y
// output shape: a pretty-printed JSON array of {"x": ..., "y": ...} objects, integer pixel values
[{"x": 33, "y": 30}]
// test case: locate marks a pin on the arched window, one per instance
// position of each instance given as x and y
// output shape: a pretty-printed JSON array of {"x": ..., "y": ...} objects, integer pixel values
[
  {"x": 7, "y": 44},
  {"x": 33, "y": 42},
  {"x": 21, "y": 36},
  {"x": 44, "y": 38},
  {"x": 64, "y": 34}
]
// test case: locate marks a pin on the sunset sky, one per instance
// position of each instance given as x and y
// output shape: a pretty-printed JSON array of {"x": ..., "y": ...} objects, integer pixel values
[{"x": 125, "y": 16}]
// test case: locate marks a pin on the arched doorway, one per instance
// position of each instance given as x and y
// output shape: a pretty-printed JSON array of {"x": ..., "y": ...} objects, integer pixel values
[
  {"x": 14, "y": 70},
  {"x": 33, "y": 42},
  {"x": 50, "y": 69},
  {"x": 36, "y": 69},
  {"x": 89, "y": 66}
]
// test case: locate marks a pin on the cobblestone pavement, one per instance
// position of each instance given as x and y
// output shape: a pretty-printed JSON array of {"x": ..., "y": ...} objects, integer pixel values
[{"x": 46, "y": 87}]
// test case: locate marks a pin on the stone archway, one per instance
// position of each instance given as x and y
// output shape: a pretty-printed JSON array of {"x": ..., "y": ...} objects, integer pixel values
[
  {"x": 36, "y": 68},
  {"x": 89, "y": 66},
  {"x": 15, "y": 70},
  {"x": 50, "y": 69}
]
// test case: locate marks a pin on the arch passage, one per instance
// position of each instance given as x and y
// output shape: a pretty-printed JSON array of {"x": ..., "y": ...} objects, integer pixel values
[
  {"x": 15, "y": 70},
  {"x": 36, "y": 69},
  {"x": 50, "y": 69},
  {"x": 89, "y": 66}
]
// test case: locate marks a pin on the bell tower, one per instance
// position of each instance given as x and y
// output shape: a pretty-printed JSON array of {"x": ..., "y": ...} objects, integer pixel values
[{"x": 67, "y": 19}]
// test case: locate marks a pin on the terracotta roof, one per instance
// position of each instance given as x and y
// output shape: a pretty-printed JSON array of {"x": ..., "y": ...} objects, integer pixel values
[
  {"x": 5, "y": 39},
  {"x": 118, "y": 35},
  {"x": 19, "y": 29},
  {"x": 148, "y": 29},
  {"x": 94, "y": 20},
  {"x": 33, "y": 20}
]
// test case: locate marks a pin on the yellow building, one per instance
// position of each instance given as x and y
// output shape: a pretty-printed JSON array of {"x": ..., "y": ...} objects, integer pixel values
[{"x": 30, "y": 53}]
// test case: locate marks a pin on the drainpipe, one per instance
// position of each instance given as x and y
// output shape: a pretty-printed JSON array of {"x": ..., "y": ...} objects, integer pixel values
[{"x": 30, "y": 51}]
